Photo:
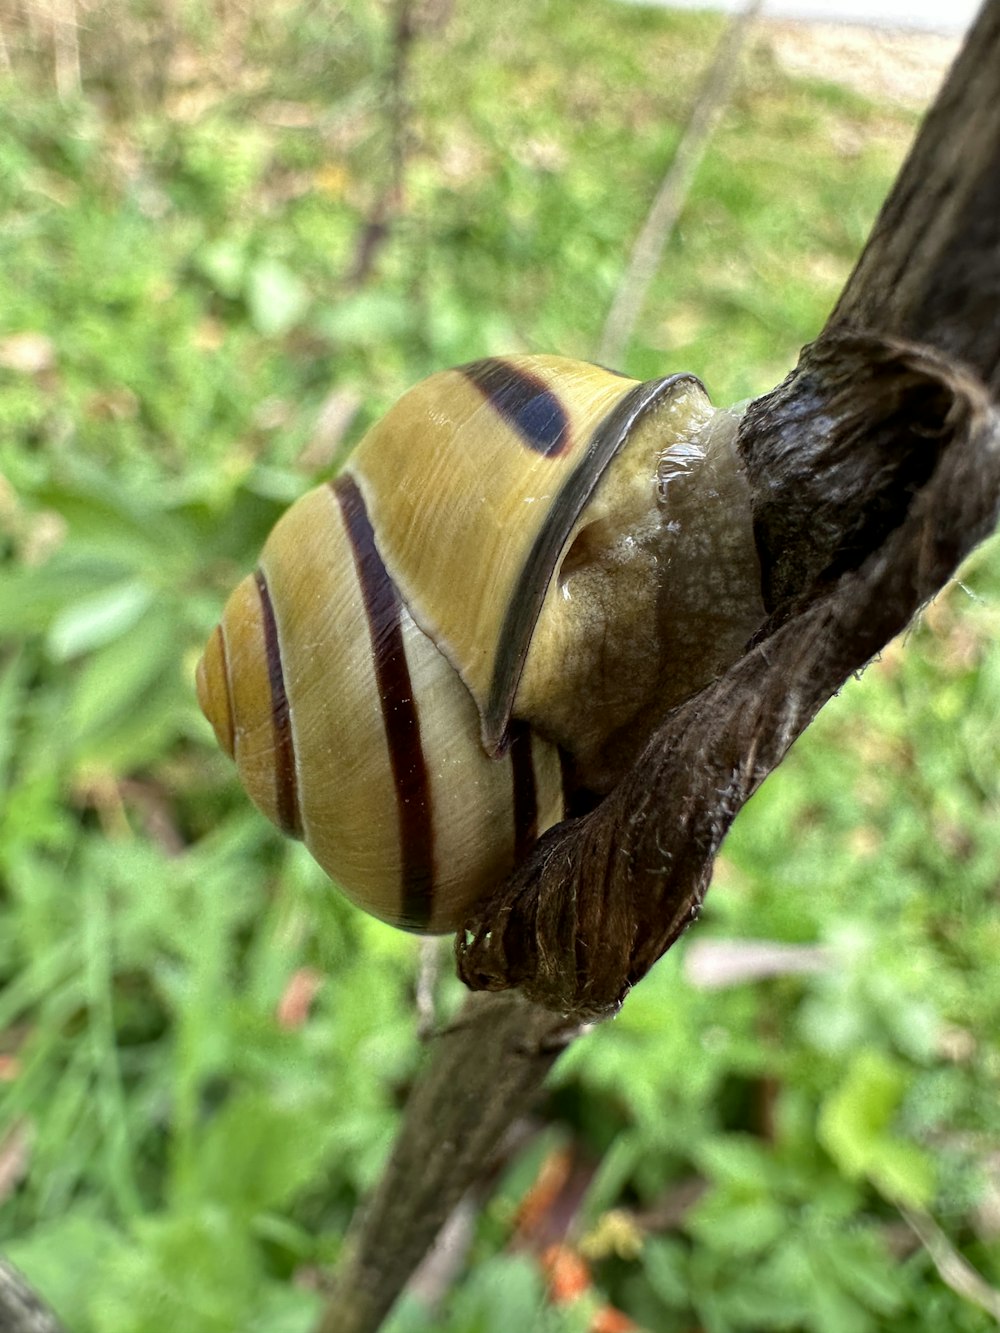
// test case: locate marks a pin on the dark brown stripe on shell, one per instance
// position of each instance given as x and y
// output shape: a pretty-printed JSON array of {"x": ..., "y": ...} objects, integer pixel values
[
  {"x": 525, "y": 795},
  {"x": 529, "y": 592},
  {"x": 285, "y": 781},
  {"x": 229, "y": 742},
  {"x": 525, "y": 402},
  {"x": 399, "y": 709},
  {"x": 577, "y": 800}
]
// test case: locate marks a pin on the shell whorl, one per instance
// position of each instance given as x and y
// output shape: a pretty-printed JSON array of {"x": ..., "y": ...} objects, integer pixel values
[
  {"x": 470, "y": 631},
  {"x": 351, "y": 730}
]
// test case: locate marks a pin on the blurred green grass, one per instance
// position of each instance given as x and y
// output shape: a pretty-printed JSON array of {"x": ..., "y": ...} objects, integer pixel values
[{"x": 182, "y": 350}]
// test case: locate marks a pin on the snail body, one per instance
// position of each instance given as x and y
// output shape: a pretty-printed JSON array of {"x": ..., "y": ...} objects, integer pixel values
[{"x": 523, "y": 565}]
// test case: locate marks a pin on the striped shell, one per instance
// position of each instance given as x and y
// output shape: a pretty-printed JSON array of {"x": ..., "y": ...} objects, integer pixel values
[{"x": 523, "y": 565}]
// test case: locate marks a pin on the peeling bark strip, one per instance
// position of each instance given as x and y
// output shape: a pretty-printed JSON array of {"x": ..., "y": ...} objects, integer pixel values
[
  {"x": 874, "y": 472},
  {"x": 877, "y": 414},
  {"x": 929, "y": 272},
  {"x": 875, "y": 469}
]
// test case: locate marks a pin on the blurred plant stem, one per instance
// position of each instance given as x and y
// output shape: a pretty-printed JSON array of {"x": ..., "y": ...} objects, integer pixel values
[
  {"x": 66, "y": 49},
  {"x": 930, "y": 275},
  {"x": 390, "y": 202},
  {"x": 955, "y": 1270},
  {"x": 711, "y": 102}
]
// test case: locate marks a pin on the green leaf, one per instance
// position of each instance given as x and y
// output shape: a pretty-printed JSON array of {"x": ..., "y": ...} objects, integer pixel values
[
  {"x": 367, "y": 318},
  {"x": 736, "y": 1159},
  {"x": 834, "y": 1311},
  {"x": 11, "y": 687},
  {"x": 276, "y": 297},
  {"x": 258, "y": 1152},
  {"x": 224, "y": 264},
  {"x": 127, "y": 525},
  {"x": 904, "y": 1173},
  {"x": 863, "y": 1105},
  {"x": 186, "y": 1270},
  {"x": 65, "y": 1261},
  {"x": 285, "y": 1308},
  {"x": 98, "y": 619},
  {"x": 754, "y": 1302},
  {"x": 30, "y": 599},
  {"x": 860, "y": 1262},
  {"x": 853, "y": 1126},
  {"x": 735, "y": 1225},
  {"x": 665, "y": 1265},
  {"x": 503, "y": 1294},
  {"x": 115, "y": 677}
]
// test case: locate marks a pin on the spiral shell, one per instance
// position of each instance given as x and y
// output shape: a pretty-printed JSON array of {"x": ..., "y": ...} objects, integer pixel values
[{"x": 523, "y": 565}]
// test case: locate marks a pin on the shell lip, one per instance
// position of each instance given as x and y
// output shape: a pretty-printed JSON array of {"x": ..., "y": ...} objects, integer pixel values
[{"x": 529, "y": 592}]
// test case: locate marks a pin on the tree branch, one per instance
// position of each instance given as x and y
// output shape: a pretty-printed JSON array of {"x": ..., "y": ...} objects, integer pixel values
[
  {"x": 862, "y": 431},
  {"x": 929, "y": 272},
  {"x": 21, "y": 1310},
  {"x": 852, "y": 463},
  {"x": 483, "y": 1070},
  {"x": 874, "y": 468}
]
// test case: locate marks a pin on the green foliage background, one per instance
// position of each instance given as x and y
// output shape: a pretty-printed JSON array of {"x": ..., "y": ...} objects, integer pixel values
[{"x": 178, "y": 233}]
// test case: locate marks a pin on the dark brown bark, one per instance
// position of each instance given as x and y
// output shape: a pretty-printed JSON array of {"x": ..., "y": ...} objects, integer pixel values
[
  {"x": 456, "y": 1116},
  {"x": 929, "y": 272},
  {"x": 875, "y": 468}
]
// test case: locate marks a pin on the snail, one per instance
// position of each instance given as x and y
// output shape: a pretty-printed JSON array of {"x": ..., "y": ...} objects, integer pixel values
[{"x": 470, "y": 632}]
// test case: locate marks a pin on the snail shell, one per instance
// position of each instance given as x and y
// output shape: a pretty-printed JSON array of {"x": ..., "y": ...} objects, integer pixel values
[{"x": 523, "y": 565}]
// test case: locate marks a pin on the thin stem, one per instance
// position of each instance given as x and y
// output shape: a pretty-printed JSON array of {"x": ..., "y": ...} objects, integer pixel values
[
  {"x": 953, "y": 1268},
  {"x": 390, "y": 202},
  {"x": 672, "y": 195}
]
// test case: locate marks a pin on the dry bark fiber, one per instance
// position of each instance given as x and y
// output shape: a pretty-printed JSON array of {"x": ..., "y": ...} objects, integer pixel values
[{"x": 874, "y": 470}]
